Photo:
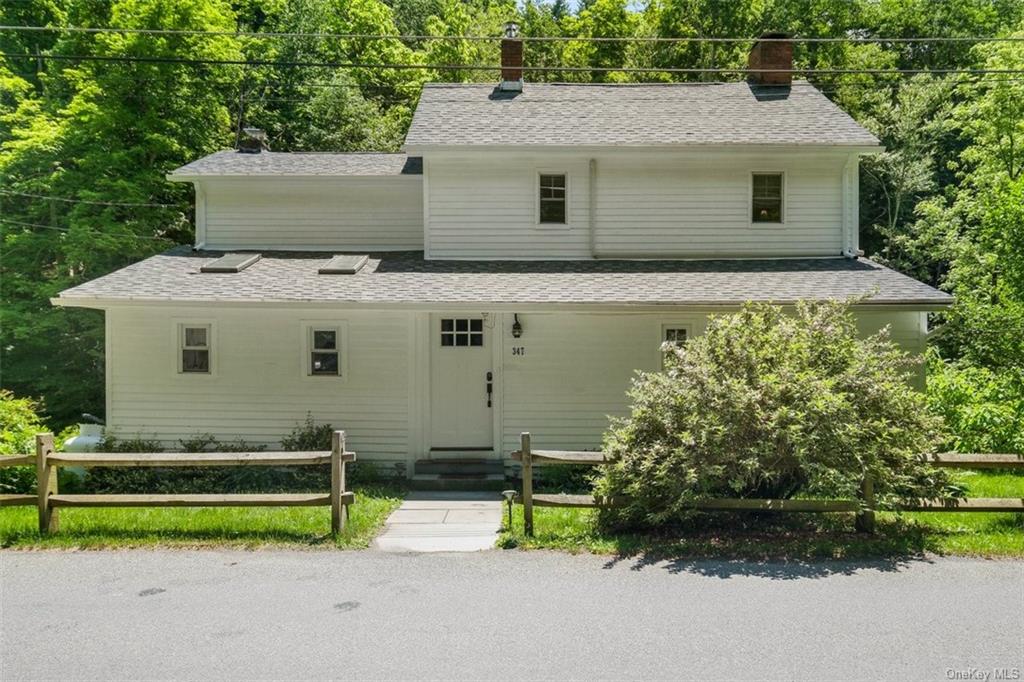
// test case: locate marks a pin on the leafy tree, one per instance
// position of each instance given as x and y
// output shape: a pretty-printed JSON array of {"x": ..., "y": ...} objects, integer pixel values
[
  {"x": 89, "y": 170},
  {"x": 984, "y": 408},
  {"x": 770, "y": 404}
]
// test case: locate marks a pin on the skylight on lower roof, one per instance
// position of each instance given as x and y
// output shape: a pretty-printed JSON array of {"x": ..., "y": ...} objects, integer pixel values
[
  {"x": 344, "y": 265},
  {"x": 231, "y": 262}
]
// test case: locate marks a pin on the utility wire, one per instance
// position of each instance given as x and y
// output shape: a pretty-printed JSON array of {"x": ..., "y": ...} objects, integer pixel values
[
  {"x": 90, "y": 230},
  {"x": 482, "y": 67},
  {"x": 392, "y": 36},
  {"x": 85, "y": 201}
]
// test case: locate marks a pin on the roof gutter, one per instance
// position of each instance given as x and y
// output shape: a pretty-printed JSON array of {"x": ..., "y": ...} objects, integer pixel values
[
  {"x": 667, "y": 148},
  {"x": 524, "y": 306}
]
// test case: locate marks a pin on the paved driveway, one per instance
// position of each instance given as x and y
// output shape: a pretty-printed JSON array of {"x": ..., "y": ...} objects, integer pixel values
[{"x": 497, "y": 615}]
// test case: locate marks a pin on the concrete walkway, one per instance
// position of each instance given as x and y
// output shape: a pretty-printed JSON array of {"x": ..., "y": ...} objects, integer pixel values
[{"x": 442, "y": 522}]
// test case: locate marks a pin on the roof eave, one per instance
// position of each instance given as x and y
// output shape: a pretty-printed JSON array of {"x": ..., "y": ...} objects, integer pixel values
[
  {"x": 421, "y": 149},
  {"x": 197, "y": 177},
  {"x": 922, "y": 305}
]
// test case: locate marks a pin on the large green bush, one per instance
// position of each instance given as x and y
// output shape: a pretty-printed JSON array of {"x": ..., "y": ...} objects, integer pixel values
[
  {"x": 983, "y": 407},
  {"x": 772, "y": 404}
]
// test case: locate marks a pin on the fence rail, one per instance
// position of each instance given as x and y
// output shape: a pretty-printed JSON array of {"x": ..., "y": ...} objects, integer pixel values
[
  {"x": 48, "y": 500},
  {"x": 864, "y": 506}
]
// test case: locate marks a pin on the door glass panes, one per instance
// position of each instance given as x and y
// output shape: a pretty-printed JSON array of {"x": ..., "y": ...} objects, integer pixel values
[{"x": 462, "y": 332}]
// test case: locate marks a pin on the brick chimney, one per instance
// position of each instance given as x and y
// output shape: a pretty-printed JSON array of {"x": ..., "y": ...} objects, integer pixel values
[
  {"x": 511, "y": 59},
  {"x": 253, "y": 141},
  {"x": 771, "y": 54}
]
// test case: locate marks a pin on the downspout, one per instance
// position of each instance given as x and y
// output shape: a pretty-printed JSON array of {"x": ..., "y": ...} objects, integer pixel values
[
  {"x": 849, "y": 220},
  {"x": 592, "y": 214},
  {"x": 200, "y": 217}
]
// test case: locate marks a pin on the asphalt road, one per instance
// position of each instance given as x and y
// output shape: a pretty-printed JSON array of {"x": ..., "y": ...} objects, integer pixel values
[{"x": 501, "y": 615}]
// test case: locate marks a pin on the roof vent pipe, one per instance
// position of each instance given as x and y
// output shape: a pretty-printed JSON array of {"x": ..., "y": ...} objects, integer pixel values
[
  {"x": 253, "y": 141},
  {"x": 771, "y": 60},
  {"x": 511, "y": 59}
]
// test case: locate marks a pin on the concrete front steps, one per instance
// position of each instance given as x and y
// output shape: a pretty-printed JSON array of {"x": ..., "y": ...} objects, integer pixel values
[{"x": 459, "y": 473}]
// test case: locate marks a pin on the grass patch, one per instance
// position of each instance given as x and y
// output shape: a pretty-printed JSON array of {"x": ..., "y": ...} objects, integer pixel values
[
  {"x": 794, "y": 536},
  {"x": 236, "y": 527}
]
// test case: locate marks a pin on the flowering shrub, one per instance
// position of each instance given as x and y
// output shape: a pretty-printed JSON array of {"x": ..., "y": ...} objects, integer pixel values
[{"x": 770, "y": 404}]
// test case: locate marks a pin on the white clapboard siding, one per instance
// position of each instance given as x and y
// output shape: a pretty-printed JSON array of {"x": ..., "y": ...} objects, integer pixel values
[
  {"x": 259, "y": 389},
  {"x": 561, "y": 380},
  {"x": 574, "y": 374},
  {"x": 488, "y": 208},
  {"x": 576, "y": 370},
  {"x": 330, "y": 214},
  {"x": 645, "y": 206}
]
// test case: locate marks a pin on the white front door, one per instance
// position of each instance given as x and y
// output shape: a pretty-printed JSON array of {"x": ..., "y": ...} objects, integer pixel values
[{"x": 461, "y": 383}]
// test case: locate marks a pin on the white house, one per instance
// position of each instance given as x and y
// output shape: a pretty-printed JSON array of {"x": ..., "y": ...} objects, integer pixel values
[{"x": 532, "y": 248}]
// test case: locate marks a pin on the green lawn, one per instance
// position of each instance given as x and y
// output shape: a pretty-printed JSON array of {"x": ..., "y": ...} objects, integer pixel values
[
  {"x": 796, "y": 536},
  {"x": 239, "y": 527}
]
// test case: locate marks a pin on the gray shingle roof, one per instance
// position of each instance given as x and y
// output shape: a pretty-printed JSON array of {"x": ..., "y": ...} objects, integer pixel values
[
  {"x": 406, "y": 278},
  {"x": 631, "y": 115},
  {"x": 231, "y": 162}
]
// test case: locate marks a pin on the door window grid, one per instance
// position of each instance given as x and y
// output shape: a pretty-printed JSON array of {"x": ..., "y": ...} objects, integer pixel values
[{"x": 462, "y": 332}]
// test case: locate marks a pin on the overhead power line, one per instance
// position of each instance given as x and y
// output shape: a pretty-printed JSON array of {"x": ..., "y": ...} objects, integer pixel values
[
  {"x": 85, "y": 201},
  {"x": 488, "y": 67},
  {"x": 394, "y": 36},
  {"x": 89, "y": 230}
]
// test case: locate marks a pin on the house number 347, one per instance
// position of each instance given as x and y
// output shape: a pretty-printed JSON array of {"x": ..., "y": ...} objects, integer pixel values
[{"x": 518, "y": 350}]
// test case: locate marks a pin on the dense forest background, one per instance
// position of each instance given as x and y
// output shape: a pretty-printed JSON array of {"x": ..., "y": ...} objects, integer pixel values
[{"x": 91, "y": 121}]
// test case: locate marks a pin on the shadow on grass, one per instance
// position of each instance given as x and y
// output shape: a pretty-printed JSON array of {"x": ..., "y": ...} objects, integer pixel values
[
  {"x": 723, "y": 546},
  {"x": 780, "y": 549}
]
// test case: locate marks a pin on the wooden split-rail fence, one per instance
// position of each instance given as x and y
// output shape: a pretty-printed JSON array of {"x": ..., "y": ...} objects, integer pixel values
[
  {"x": 864, "y": 507},
  {"x": 49, "y": 500}
]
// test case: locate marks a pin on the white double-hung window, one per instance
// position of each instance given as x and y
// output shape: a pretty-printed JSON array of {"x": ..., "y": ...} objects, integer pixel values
[
  {"x": 194, "y": 348},
  {"x": 552, "y": 201},
  {"x": 324, "y": 351},
  {"x": 766, "y": 197}
]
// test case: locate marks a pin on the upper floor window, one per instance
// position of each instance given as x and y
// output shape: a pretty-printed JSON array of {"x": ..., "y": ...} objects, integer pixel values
[
  {"x": 766, "y": 198},
  {"x": 194, "y": 348},
  {"x": 323, "y": 352},
  {"x": 552, "y": 199}
]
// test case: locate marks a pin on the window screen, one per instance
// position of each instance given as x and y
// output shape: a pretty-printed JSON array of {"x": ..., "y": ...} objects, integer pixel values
[
  {"x": 462, "y": 332},
  {"x": 552, "y": 199},
  {"x": 195, "y": 349},
  {"x": 767, "y": 198},
  {"x": 323, "y": 355}
]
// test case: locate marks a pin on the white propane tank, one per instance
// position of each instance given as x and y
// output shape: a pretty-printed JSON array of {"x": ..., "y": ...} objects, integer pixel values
[{"x": 87, "y": 440}]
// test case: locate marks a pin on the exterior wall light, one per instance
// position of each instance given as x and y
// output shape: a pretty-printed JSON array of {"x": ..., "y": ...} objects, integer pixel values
[{"x": 517, "y": 329}]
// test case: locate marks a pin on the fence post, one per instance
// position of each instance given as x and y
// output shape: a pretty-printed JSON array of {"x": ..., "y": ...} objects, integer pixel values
[
  {"x": 865, "y": 522},
  {"x": 337, "y": 480},
  {"x": 46, "y": 484},
  {"x": 527, "y": 460}
]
